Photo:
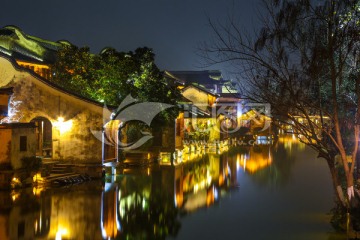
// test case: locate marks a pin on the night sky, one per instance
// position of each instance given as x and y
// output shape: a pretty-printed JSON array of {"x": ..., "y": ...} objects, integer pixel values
[{"x": 173, "y": 28}]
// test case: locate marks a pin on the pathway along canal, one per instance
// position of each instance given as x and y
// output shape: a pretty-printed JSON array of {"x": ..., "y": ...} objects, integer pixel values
[{"x": 262, "y": 192}]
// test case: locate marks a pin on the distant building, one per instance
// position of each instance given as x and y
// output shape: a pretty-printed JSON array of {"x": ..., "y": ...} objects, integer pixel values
[{"x": 210, "y": 80}]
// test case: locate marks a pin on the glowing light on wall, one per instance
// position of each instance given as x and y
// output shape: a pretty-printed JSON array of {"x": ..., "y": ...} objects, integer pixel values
[{"x": 62, "y": 125}]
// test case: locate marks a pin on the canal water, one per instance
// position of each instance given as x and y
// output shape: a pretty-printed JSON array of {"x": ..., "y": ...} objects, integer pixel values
[{"x": 280, "y": 191}]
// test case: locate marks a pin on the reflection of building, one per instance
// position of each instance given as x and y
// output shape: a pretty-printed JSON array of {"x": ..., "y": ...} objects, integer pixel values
[
  {"x": 256, "y": 158},
  {"x": 110, "y": 216},
  {"x": 42, "y": 222},
  {"x": 17, "y": 216},
  {"x": 138, "y": 204},
  {"x": 73, "y": 215}
]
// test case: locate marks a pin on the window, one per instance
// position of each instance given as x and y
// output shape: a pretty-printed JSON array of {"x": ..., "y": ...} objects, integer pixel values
[{"x": 23, "y": 143}]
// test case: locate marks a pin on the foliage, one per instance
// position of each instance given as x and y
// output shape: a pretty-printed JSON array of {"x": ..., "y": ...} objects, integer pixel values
[
  {"x": 134, "y": 132},
  {"x": 304, "y": 63},
  {"x": 111, "y": 75},
  {"x": 339, "y": 218}
]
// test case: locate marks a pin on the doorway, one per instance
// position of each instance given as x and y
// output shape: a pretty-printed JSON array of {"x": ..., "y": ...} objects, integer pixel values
[{"x": 43, "y": 136}]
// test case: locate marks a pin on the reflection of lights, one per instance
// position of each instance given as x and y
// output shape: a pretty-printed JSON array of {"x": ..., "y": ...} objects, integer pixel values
[
  {"x": 202, "y": 184},
  {"x": 60, "y": 233},
  {"x": 256, "y": 160},
  {"x": 37, "y": 178},
  {"x": 208, "y": 180},
  {"x": 14, "y": 195},
  {"x": 238, "y": 162},
  {"x": 228, "y": 170},
  {"x": 211, "y": 195},
  {"x": 37, "y": 190},
  {"x": 36, "y": 225},
  {"x": 245, "y": 158},
  {"x": 221, "y": 179},
  {"x": 143, "y": 204},
  {"x": 196, "y": 188},
  {"x": 179, "y": 199},
  {"x": 165, "y": 158},
  {"x": 15, "y": 182},
  {"x": 110, "y": 222},
  {"x": 291, "y": 140},
  {"x": 216, "y": 193}
]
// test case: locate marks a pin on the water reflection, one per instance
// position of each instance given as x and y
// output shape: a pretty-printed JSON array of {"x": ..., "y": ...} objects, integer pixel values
[{"x": 147, "y": 203}]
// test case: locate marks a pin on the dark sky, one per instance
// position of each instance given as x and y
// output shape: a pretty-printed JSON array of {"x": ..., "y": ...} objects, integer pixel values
[{"x": 173, "y": 28}]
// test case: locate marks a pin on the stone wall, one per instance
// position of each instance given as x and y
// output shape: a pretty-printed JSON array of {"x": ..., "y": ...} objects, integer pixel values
[
  {"x": 16, "y": 154},
  {"x": 34, "y": 97}
]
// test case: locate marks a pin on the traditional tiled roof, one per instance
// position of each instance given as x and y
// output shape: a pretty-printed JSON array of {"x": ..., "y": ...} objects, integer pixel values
[
  {"x": 200, "y": 77},
  {"x": 200, "y": 89},
  {"x": 52, "y": 85},
  {"x": 17, "y": 44}
]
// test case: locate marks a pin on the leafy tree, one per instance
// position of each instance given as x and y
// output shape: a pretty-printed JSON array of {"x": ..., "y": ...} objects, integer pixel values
[
  {"x": 111, "y": 75},
  {"x": 74, "y": 69},
  {"x": 304, "y": 63}
]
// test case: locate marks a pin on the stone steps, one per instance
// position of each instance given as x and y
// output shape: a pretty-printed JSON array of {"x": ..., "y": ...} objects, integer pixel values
[
  {"x": 62, "y": 174},
  {"x": 53, "y": 177}
]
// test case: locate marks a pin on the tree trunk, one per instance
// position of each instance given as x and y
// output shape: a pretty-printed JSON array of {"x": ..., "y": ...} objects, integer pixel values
[{"x": 336, "y": 183}]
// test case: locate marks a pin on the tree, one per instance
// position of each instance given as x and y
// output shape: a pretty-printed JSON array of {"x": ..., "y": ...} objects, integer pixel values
[
  {"x": 304, "y": 63},
  {"x": 111, "y": 75}
]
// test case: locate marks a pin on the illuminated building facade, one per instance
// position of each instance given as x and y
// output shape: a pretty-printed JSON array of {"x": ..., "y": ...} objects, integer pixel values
[{"x": 63, "y": 120}]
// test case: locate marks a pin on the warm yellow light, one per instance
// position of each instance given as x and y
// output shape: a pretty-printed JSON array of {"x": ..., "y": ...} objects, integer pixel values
[
  {"x": 60, "y": 119},
  {"x": 37, "y": 178},
  {"x": 37, "y": 191},
  {"x": 60, "y": 233},
  {"x": 15, "y": 182},
  {"x": 196, "y": 188},
  {"x": 209, "y": 180},
  {"x": 179, "y": 199},
  {"x": 62, "y": 125}
]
